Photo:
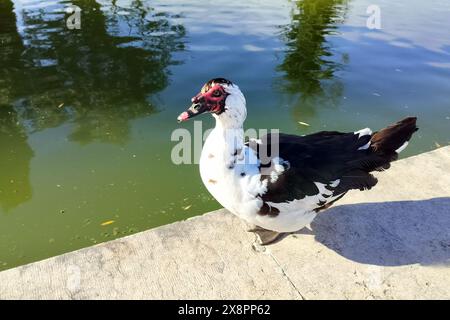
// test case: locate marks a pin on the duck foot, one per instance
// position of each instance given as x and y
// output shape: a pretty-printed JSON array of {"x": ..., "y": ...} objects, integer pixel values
[{"x": 265, "y": 236}]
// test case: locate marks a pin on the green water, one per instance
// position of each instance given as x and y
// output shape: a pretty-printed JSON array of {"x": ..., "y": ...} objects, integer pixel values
[{"x": 86, "y": 115}]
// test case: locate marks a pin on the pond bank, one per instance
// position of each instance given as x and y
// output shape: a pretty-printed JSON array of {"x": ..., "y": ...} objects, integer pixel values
[{"x": 391, "y": 242}]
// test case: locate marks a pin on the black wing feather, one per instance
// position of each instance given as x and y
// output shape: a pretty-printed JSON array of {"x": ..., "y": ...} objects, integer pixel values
[
  {"x": 325, "y": 157},
  {"x": 321, "y": 157}
]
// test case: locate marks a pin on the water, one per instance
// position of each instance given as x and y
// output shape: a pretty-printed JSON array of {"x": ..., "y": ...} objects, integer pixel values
[{"x": 86, "y": 115}]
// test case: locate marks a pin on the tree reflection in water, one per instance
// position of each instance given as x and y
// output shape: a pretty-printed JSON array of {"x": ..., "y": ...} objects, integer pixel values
[
  {"x": 310, "y": 64},
  {"x": 97, "y": 78},
  {"x": 15, "y": 160}
]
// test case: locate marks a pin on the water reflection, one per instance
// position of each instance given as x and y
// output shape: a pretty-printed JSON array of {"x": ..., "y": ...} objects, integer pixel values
[
  {"x": 310, "y": 63},
  {"x": 10, "y": 51},
  {"x": 15, "y": 160},
  {"x": 15, "y": 152},
  {"x": 97, "y": 78}
]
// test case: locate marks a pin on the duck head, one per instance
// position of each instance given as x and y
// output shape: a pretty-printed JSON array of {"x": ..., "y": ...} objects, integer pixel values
[{"x": 221, "y": 98}]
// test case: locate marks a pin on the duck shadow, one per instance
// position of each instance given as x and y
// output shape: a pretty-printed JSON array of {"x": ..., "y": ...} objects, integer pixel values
[{"x": 387, "y": 233}]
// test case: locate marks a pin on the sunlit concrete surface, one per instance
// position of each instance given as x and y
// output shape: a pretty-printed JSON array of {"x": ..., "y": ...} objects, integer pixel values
[{"x": 391, "y": 242}]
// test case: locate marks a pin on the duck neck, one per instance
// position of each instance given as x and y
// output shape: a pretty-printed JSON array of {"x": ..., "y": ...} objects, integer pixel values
[{"x": 229, "y": 133}]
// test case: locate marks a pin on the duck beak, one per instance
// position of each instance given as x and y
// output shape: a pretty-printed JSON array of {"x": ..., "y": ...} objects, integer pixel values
[{"x": 194, "y": 110}]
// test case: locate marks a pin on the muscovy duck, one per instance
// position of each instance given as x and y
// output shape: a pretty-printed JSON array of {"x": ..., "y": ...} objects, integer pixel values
[{"x": 279, "y": 183}]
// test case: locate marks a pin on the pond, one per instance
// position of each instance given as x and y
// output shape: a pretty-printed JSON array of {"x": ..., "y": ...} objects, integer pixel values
[{"x": 86, "y": 115}]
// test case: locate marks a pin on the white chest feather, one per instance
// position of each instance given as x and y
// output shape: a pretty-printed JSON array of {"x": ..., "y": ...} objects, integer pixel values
[{"x": 230, "y": 172}]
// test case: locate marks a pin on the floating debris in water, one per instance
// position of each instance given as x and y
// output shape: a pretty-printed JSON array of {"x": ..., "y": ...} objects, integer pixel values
[
  {"x": 187, "y": 207},
  {"x": 87, "y": 222},
  {"x": 376, "y": 94},
  {"x": 437, "y": 145},
  {"x": 62, "y": 211},
  {"x": 304, "y": 123},
  {"x": 61, "y": 105},
  {"x": 106, "y": 223}
]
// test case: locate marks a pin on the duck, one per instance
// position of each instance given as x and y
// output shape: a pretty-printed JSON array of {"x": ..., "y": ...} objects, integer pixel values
[{"x": 280, "y": 182}]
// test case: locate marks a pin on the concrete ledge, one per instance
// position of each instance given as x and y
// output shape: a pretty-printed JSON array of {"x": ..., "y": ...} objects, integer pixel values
[{"x": 391, "y": 242}]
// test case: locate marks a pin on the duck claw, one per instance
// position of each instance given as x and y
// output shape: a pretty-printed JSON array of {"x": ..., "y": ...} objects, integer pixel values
[{"x": 265, "y": 236}]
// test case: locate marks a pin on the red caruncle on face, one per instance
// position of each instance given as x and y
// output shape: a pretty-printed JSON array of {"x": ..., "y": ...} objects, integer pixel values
[{"x": 213, "y": 97}]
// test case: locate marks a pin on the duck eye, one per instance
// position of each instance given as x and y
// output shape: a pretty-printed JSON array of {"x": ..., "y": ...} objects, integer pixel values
[{"x": 216, "y": 93}]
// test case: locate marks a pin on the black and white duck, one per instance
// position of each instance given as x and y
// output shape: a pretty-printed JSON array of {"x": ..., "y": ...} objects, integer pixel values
[{"x": 280, "y": 182}]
